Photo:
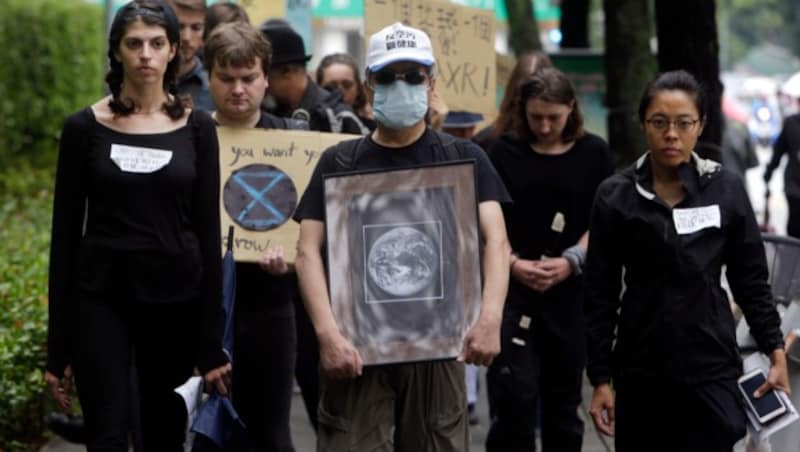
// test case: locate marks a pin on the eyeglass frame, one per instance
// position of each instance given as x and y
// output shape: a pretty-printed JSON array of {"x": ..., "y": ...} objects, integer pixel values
[{"x": 668, "y": 123}]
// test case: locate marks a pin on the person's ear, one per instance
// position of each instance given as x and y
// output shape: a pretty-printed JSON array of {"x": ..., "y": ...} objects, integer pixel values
[
  {"x": 701, "y": 126},
  {"x": 173, "y": 49}
]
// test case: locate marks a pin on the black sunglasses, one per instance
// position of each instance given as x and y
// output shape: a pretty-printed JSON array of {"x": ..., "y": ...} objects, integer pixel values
[{"x": 388, "y": 76}]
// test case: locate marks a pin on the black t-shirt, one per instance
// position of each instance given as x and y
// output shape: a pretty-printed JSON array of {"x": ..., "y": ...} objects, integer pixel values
[
  {"x": 372, "y": 155},
  {"x": 136, "y": 220},
  {"x": 542, "y": 185}
]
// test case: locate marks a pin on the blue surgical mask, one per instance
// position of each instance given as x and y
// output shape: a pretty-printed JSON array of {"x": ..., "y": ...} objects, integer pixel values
[{"x": 400, "y": 105}]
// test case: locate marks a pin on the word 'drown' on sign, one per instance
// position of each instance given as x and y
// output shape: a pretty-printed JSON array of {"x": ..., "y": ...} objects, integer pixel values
[{"x": 463, "y": 45}]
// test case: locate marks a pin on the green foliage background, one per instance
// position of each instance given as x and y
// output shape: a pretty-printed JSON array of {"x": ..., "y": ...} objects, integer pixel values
[
  {"x": 52, "y": 65},
  {"x": 52, "y": 54}
]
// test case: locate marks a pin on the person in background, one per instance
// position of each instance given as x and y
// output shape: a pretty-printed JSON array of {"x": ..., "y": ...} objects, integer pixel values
[
  {"x": 135, "y": 259},
  {"x": 462, "y": 124},
  {"x": 293, "y": 94},
  {"x": 192, "y": 77},
  {"x": 419, "y": 406},
  {"x": 526, "y": 65},
  {"x": 237, "y": 57},
  {"x": 340, "y": 71},
  {"x": 788, "y": 143},
  {"x": 222, "y": 13},
  {"x": 551, "y": 167},
  {"x": 668, "y": 224}
]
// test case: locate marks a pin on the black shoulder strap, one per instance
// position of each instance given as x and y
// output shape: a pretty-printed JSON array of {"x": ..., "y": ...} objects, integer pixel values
[
  {"x": 347, "y": 153},
  {"x": 452, "y": 148}
]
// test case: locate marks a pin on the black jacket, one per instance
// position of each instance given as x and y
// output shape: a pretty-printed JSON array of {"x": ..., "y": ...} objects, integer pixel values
[
  {"x": 788, "y": 143},
  {"x": 325, "y": 111},
  {"x": 673, "y": 319}
]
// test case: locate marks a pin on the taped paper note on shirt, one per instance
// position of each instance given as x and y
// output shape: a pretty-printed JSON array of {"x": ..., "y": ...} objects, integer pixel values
[
  {"x": 134, "y": 159},
  {"x": 689, "y": 221}
]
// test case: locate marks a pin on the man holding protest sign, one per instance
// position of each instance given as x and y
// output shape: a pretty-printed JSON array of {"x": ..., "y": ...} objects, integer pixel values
[
  {"x": 408, "y": 406},
  {"x": 237, "y": 57}
]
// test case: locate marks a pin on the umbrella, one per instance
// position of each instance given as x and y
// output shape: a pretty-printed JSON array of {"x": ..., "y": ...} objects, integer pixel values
[{"x": 217, "y": 419}]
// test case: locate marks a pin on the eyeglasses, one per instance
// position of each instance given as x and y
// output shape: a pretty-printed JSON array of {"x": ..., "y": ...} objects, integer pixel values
[
  {"x": 682, "y": 124},
  {"x": 344, "y": 85},
  {"x": 388, "y": 76}
]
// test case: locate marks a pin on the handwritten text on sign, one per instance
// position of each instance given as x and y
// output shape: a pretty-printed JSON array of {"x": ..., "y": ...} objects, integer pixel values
[
  {"x": 263, "y": 174},
  {"x": 463, "y": 44}
]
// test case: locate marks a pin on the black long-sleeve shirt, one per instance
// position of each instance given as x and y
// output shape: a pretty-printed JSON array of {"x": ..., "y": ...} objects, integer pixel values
[
  {"x": 788, "y": 143},
  {"x": 136, "y": 220},
  {"x": 674, "y": 319}
]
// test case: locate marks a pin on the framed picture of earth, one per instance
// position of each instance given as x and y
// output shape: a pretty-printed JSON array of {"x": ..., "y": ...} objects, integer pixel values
[{"x": 404, "y": 259}]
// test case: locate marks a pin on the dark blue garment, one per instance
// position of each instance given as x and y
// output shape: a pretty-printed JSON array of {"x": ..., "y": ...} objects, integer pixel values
[{"x": 217, "y": 419}]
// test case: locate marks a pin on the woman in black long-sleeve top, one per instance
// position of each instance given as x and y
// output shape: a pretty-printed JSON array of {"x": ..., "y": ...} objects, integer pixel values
[
  {"x": 671, "y": 221},
  {"x": 135, "y": 253}
]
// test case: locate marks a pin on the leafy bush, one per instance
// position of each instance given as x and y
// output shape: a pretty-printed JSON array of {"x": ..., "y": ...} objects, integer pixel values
[
  {"x": 52, "y": 54},
  {"x": 24, "y": 243}
]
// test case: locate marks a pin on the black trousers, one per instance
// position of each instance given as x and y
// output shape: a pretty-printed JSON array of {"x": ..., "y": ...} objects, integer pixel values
[
  {"x": 264, "y": 358},
  {"x": 793, "y": 227},
  {"x": 655, "y": 414},
  {"x": 163, "y": 336},
  {"x": 542, "y": 363}
]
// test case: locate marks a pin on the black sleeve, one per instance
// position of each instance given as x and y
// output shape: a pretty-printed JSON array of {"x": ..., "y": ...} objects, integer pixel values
[
  {"x": 312, "y": 203},
  {"x": 778, "y": 149},
  {"x": 69, "y": 207},
  {"x": 205, "y": 208},
  {"x": 748, "y": 274},
  {"x": 490, "y": 186},
  {"x": 603, "y": 282}
]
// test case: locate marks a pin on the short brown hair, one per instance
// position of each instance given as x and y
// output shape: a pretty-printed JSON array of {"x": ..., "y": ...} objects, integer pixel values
[
  {"x": 550, "y": 85},
  {"x": 237, "y": 44},
  {"x": 187, "y": 5},
  {"x": 223, "y": 13}
]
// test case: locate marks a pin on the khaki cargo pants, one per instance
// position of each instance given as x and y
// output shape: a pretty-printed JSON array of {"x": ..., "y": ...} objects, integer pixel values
[{"x": 416, "y": 407}]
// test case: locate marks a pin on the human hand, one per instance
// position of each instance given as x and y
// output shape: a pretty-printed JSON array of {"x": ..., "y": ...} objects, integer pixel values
[
  {"x": 482, "y": 342},
  {"x": 602, "y": 409},
  {"x": 778, "y": 375},
  {"x": 272, "y": 261},
  {"x": 218, "y": 379},
  {"x": 60, "y": 389},
  {"x": 339, "y": 359},
  {"x": 541, "y": 275}
]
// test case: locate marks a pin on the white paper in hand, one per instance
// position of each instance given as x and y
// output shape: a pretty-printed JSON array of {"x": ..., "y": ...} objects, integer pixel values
[{"x": 192, "y": 394}]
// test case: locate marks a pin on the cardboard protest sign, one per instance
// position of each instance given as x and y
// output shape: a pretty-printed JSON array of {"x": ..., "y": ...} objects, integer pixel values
[
  {"x": 260, "y": 10},
  {"x": 263, "y": 174},
  {"x": 463, "y": 44}
]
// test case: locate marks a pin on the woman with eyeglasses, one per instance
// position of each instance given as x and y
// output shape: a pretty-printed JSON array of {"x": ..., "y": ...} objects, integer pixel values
[
  {"x": 135, "y": 265},
  {"x": 551, "y": 167},
  {"x": 667, "y": 345},
  {"x": 339, "y": 71}
]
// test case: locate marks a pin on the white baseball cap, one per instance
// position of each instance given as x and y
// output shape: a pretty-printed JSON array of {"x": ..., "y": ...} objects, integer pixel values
[{"x": 398, "y": 42}]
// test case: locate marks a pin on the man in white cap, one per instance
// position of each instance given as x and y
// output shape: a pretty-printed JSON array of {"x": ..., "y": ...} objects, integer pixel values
[{"x": 416, "y": 406}]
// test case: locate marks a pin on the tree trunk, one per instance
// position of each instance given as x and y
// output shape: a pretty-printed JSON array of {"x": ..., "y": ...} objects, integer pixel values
[
  {"x": 575, "y": 24},
  {"x": 629, "y": 67},
  {"x": 523, "y": 33},
  {"x": 687, "y": 39}
]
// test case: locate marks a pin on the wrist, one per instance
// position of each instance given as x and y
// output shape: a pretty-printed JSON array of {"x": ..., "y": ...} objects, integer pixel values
[{"x": 777, "y": 356}]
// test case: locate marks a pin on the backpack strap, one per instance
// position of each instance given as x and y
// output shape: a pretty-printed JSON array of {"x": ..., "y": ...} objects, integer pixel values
[
  {"x": 452, "y": 148},
  {"x": 347, "y": 153}
]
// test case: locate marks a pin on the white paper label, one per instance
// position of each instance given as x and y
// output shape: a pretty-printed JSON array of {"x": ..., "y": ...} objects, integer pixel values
[
  {"x": 688, "y": 221},
  {"x": 133, "y": 159},
  {"x": 525, "y": 322}
]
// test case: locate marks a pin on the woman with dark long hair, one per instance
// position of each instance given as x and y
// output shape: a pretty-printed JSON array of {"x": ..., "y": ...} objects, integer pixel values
[
  {"x": 551, "y": 167},
  {"x": 339, "y": 71},
  {"x": 135, "y": 268}
]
